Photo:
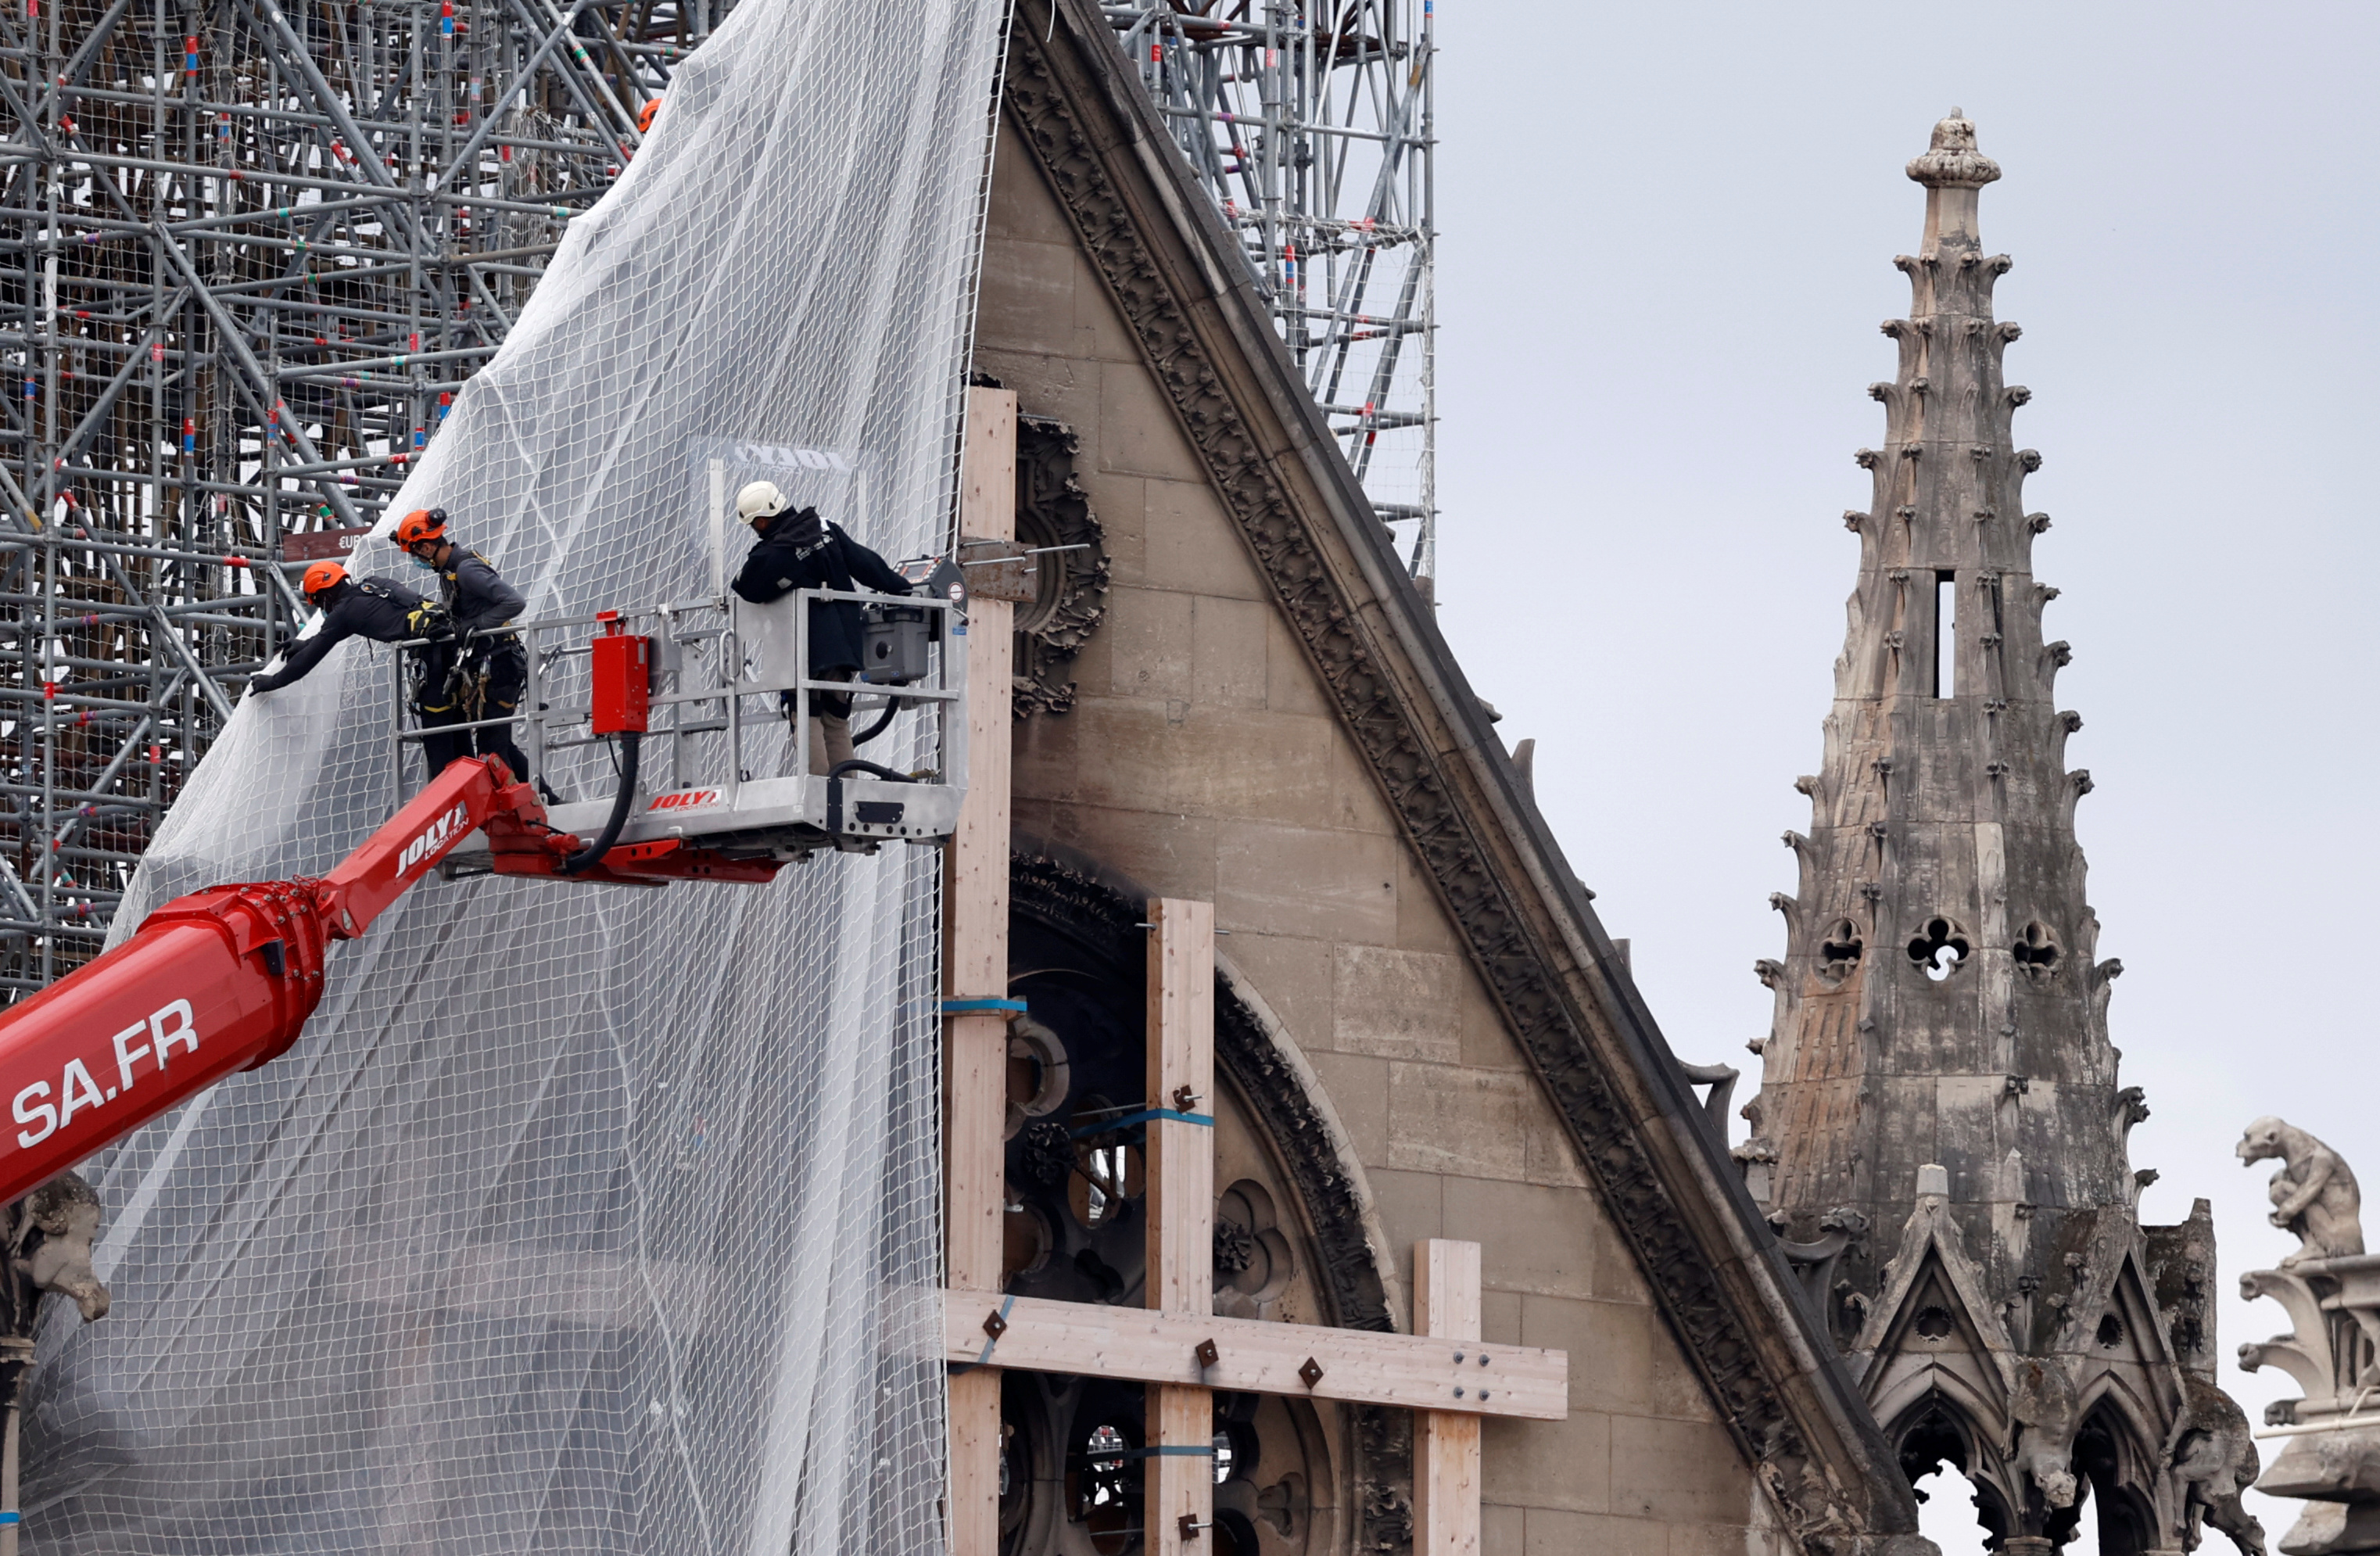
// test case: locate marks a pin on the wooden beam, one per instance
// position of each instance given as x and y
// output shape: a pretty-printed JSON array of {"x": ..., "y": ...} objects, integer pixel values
[
  {"x": 1181, "y": 1150},
  {"x": 1179, "y": 1477},
  {"x": 1411, "y": 1372},
  {"x": 975, "y": 951},
  {"x": 1446, "y": 1445},
  {"x": 975, "y": 1463},
  {"x": 975, "y": 1064},
  {"x": 974, "y": 961}
]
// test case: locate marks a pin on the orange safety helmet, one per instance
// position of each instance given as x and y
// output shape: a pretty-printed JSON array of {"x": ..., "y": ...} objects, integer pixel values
[
  {"x": 645, "y": 115},
  {"x": 421, "y": 524},
  {"x": 322, "y": 576}
]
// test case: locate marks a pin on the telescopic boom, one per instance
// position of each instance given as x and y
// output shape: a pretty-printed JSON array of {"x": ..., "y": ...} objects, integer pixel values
[{"x": 224, "y": 979}]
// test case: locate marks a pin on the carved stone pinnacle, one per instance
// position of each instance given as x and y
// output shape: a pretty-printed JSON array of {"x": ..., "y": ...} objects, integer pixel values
[{"x": 1952, "y": 161}]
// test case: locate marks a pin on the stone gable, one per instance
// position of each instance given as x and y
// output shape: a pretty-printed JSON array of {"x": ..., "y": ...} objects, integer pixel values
[
  {"x": 1267, "y": 718},
  {"x": 1203, "y": 759}
]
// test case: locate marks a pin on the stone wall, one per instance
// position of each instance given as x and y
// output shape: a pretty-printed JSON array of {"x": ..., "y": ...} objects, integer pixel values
[{"x": 1201, "y": 759}]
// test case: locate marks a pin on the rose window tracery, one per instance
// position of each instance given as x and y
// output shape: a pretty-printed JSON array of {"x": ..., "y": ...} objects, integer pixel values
[{"x": 1287, "y": 1470}]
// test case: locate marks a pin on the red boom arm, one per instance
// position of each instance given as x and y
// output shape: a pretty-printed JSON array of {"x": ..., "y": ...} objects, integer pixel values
[{"x": 224, "y": 980}]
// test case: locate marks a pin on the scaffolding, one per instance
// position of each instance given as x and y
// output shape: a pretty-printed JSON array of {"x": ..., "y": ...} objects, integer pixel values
[
  {"x": 247, "y": 257},
  {"x": 1309, "y": 122}
]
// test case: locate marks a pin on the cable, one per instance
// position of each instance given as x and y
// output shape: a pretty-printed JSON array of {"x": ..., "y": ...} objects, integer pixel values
[
  {"x": 588, "y": 858},
  {"x": 883, "y": 722},
  {"x": 855, "y": 764}
]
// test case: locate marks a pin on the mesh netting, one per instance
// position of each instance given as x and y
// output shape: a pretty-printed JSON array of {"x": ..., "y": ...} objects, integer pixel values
[{"x": 585, "y": 1217}]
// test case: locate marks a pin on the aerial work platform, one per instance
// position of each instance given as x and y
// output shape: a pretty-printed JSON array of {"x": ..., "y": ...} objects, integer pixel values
[
  {"x": 705, "y": 709},
  {"x": 225, "y": 979},
  {"x": 692, "y": 699}
]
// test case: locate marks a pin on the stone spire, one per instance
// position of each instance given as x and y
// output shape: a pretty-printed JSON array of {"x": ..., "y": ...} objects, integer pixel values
[{"x": 1940, "y": 1130}]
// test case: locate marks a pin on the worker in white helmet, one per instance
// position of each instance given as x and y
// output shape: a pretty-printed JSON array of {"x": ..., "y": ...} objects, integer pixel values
[{"x": 800, "y": 549}]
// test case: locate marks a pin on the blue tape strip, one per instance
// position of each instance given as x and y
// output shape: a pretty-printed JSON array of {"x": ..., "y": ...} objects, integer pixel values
[
  {"x": 1208, "y": 1120},
  {"x": 994, "y": 1340},
  {"x": 974, "y": 1007},
  {"x": 11, "y": 1518}
]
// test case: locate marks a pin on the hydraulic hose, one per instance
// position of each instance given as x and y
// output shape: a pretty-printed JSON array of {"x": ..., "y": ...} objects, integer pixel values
[
  {"x": 856, "y": 765},
  {"x": 588, "y": 858},
  {"x": 883, "y": 722}
]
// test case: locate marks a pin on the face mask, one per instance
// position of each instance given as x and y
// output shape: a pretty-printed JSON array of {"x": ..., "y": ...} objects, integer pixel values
[{"x": 426, "y": 566}]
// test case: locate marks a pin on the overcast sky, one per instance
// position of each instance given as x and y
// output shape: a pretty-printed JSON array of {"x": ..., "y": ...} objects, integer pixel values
[{"x": 1667, "y": 235}]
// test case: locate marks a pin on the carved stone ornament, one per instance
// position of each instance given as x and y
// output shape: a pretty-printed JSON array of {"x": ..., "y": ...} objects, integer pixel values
[
  {"x": 1070, "y": 573},
  {"x": 2314, "y": 1195},
  {"x": 2330, "y": 1288},
  {"x": 1072, "y": 589},
  {"x": 1952, "y": 161},
  {"x": 49, "y": 1235},
  {"x": 1059, "y": 67}
]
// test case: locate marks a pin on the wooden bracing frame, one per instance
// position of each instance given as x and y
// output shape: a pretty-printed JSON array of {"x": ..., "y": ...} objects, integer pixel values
[{"x": 1175, "y": 1346}]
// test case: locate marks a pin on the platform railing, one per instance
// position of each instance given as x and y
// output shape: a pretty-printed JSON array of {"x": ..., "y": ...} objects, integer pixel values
[{"x": 704, "y": 672}]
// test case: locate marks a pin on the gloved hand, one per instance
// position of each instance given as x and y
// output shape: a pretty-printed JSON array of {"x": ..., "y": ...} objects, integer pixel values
[
  {"x": 431, "y": 621},
  {"x": 261, "y": 684}
]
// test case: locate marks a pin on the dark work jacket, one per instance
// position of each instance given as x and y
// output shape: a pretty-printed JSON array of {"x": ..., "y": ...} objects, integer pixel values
[
  {"x": 375, "y": 608},
  {"x": 477, "y": 596},
  {"x": 797, "y": 551}
]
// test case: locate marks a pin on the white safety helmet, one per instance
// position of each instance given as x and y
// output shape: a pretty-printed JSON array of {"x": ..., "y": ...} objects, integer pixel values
[{"x": 759, "y": 501}]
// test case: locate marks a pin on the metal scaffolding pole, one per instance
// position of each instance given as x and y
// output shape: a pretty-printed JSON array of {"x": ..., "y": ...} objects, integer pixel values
[
  {"x": 1310, "y": 124},
  {"x": 246, "y": 256}
]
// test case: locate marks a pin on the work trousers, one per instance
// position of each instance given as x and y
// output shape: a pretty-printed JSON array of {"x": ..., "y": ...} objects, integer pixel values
[
  {"x": 492, "y": 691},
  {"x": 830, "y": 724}
]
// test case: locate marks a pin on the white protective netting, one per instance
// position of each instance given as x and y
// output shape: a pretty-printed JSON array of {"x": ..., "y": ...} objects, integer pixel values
[{"x": 585, "y": 1217}]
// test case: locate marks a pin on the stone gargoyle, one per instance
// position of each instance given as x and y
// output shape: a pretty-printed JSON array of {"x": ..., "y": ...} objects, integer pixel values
[
  {"x": 2042, "y": 1402},
  {"x": 2214, "y": 1457},
  {"x": 2313, "y": 1194},
  {"x": 49, "y": 1246}
]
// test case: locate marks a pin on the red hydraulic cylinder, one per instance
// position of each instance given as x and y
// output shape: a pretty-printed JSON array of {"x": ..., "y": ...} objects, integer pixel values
[{"x": 224, "y": 980}]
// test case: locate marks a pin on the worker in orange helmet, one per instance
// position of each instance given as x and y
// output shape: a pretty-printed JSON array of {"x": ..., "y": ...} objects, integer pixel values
[
  {"x": 644, "y": 115},
  {"x": 486, "y": 668},
  {"x": 380, "y": 609}
]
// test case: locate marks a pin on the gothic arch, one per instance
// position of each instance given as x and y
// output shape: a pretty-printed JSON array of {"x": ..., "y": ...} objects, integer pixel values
[
  {"x": 2117, "y": 1456},
  {"x": 2110, "y": 1394},
  {"x": 1935, "y": 1429},
  {"x": 1295, "y": 1239},
  {"x": 1943, "y": 1391}
]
